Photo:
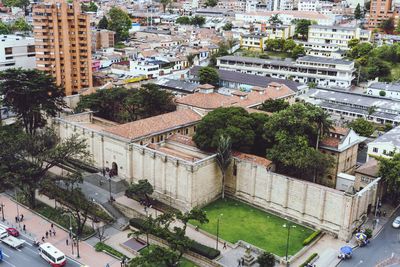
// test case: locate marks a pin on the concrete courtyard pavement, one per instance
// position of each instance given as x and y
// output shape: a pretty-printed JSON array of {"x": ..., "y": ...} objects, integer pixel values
[{"x": 36, "y": 227}]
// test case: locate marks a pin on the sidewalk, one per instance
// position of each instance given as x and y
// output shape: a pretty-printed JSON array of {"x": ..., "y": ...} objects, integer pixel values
[{"x": 36, "y": 227}]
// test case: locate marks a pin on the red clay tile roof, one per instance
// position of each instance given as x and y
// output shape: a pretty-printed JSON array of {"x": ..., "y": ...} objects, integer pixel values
[
  {"x": 340, "y": 130},
  {"x": 252, "y": 158},
  {"x": 330, "y": 142},
  {"x": 206, "y": 86},
  {"x": 183, "y": 139},
  {"x": 156, "y": 124},
  {"x": 208, "y": 101}
]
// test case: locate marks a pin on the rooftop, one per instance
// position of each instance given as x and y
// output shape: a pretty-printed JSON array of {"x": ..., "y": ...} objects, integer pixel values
[
  {"x": 208, "y": 101},
  {"x": 370, "y": 168},
  {"x": 177, "y": 85},
  {"x": 253, "y": 158},
  {"x": 386, "y": 86},
  {"x": 154, "y": 125},
  {"x": 333, "y": 27},
  {"x": 393, "y": 136}
]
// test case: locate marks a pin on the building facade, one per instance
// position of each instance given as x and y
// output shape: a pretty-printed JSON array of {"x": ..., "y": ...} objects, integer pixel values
[
  {"x": 380, "y": 10},
  {"x": 385, "y": 145},
  {"x": 102, "y": 39},
  {"x": 325, "y": 72},
  {"x": 63, "y": 43},
  {"x": 17, "y": 52}
]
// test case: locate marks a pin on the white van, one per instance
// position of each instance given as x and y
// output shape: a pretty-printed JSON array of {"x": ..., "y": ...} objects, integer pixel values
[{"x": 3, "y": 232}]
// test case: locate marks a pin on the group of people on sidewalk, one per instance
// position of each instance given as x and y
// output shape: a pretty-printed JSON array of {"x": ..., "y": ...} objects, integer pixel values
[{"x": 48, "y": 233}]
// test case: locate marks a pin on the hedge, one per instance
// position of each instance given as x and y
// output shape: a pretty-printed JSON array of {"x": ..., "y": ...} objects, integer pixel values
[
  {"x": 195, "y": 247},
  {"x": 309, "y": 239},
  {"x": 309, "y": 259},
  {"x": 100, "y": 246}
]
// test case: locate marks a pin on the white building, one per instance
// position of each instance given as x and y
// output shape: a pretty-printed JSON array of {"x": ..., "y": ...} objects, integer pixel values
[
  {"x": 390, "y": 90},
  {"x": 325, "y": 72},
  {"x": 385, "y": 145},
  {"x": 17, "y": 52},
  {"x": 337, "y": 35},
  {"x": 285, "y": 16},
  {"x": 308, "y": 5}
]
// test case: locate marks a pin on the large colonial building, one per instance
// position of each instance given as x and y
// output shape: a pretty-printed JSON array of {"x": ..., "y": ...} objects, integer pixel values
[{"x": 325, "y": 72}]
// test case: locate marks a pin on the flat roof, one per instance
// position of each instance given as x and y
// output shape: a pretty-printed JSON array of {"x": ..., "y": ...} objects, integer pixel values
[
  {"x": 386, "y": 86},
  {"x": 393, "y": 136}
]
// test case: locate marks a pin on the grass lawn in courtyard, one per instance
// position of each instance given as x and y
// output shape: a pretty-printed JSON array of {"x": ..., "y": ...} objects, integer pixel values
[{"x": 240, "y": 221}]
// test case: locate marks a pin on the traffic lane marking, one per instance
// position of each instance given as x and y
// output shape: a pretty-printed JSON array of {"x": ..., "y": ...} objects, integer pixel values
[{"x": 9, "y": 263}]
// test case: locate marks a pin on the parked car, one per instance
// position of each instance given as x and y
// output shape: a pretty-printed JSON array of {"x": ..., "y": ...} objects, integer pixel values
[
  {"x": 12, "y": 231},
  {"x": 396, "y": 222}
]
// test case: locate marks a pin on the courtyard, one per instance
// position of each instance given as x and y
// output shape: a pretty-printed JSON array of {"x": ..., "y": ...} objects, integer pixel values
[{"x": 239, "y": 221}]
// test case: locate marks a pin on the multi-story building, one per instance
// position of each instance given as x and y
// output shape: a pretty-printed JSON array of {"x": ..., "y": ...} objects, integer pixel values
[
  {"x": 385, "y": 145},
  {"x": 322, "y": 50},
  {"x": 236, "y": 6},
  {"x": 256, "y": 41},
  {"x": 380, "y": 10},
  {"x": 325, "y": 72},
  {"x": 308, "y": 5},
  {"x": 389, "y": 90},
  {"x": 102, "y": 39},
  {"x": 63, "y": 45},
  {"x": 286, "y": 16},
  {"x": 337, "y": 35},
  {"x": 17, "y": 52}
]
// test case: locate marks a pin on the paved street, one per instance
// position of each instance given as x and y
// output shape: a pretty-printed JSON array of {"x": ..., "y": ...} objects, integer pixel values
[
  {"x": 27, "y": 256},
  {"x": 380, "y": 248}
]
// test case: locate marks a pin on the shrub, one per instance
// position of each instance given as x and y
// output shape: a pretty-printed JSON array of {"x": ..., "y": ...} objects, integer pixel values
[
  {"x": 266, "y": 259},
  {"x": 100, "y": 246},
  {"x": 368, "y": 233},
  {"x": 309, "y": 239},
  {"x": 309, "y": 259},
  {"x": 382, "y": 93},
  {"x": 203, "y": 250}
]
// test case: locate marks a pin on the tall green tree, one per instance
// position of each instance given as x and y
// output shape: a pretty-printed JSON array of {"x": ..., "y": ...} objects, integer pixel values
[
  {"x": 20, "y": 25},
  {"x": 120, "y": 23},
  {"x": 358, "y": 13},
  {"x": 211, "y": 3},
  {"x": 289, "y": 45},
  {"x": 183, "y": 20},
  {"x": 103, "y": 23},
  {"x": 266, "y": 259},
  {"x": 389, "y": 169},
  {"x": 26, "y": 159},
  {"x": 302, "y": 26},
  {"x": 297, "y": 51},
  {"x": 274, "y": 105},
  {"x": 142, "y": 189},
  {"x": 91, "y": 7},
  {"x": 4, "y": 28},
  {"x": 353, "y": 42},
  {"x": 17, "y": 3},
  {"x": 228, "y": 26},
  {"x": 32, "y": 95},
  {"x": 224, "y": 158},
  {"x": 156, "y": 256},
  {"x": 274, "y": 19},
  {"x": 209, "y": 75},
  {"x": 387, "y": 25},
  {"x": 164, "y": 4},
  {"x": 197, "y": 21},
  {"x": 362, "y": 127}
]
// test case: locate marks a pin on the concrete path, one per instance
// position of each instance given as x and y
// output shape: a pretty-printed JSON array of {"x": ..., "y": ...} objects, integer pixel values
[{"x": 36, "y": 227}]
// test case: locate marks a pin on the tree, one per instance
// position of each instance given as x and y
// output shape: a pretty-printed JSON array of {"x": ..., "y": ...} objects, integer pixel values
[
  {"x": 190, "y": 59},
  {"x": 209, "y": 75},
  {"x": 211, "y": 3},
  {"x": 302, "y": 26},
  {"x": 92, "y": 7},
  {"x": 358, "y": 13},
  {"x": 234, "y": 122},
  {"x": 17, "y": 3},
  {"x": 274, "y": 105},
  {"x": 371, "y": 110},
  {"x": 224, "y": 158},
  {"x": 353, "y": 42},
  {"x": 32, "y": 95},
  {"x": 289, "y": 45},
  {"x": 360, "y": 50},
  {"x": 389, "y": 169},
  {"x": 377, "y": 68},
  {"x": 120, "y": 23},
  {"x": 266, "y": 260},
  {"x": 387, "y": 25},
  {"x": 20, "y": 25},
  {"x": 103, "y": 23},
  {"x": 142, "y": 189},
  {"x": 362, "y": 127},
  {"x": 274, "y": 19},
  {"x": 183, "y": 20},
  {"x": 298, "y": 51},
  {"x": 228, "y": 26},
  {"x": 4, "y": 28},
  {"x": 274, "y": 44},
  {"x": 197, "y": 21},
  {"x": 164, "y": 4},
  {"x": 26, "y": 159},
  {"x": 397, "y": 30},
  {"x": 155, "y": 256}
]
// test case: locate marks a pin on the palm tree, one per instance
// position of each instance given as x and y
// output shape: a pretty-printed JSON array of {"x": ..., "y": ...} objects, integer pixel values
[
  {"x": 371, "y": 110},
  {"x": 224, "y": 158}
]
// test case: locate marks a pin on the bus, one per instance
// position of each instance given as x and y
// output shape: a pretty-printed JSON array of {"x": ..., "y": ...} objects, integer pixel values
[{"x": 52, "y": 255}]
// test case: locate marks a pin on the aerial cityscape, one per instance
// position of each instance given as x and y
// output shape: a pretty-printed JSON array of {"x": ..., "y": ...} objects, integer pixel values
[{"x": 199, "y": 133}]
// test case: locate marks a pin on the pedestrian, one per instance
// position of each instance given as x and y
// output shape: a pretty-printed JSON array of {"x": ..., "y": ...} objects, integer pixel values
[
  {"x": 47, "y": 234},
  {"x": 66, "y": 241},
  {"x": 54, "y": 232},
  {"x": 43, "y": 239},
  {"x": 384, "y": 213},
  {"x": 70, "y": 235},
  {"x": 51, "y": 225},
  {"x": 224, "y": 245},
  {"x": 379, "y": 204},
  {"x": 104, "y": 172},
  {"x": 243, "y": 261},
  {"x": 22, "y": 217},
  {"x": 16, "y": 219},
  {"x": 24, "y": 228},
  {"x": 239, "y": 262}
]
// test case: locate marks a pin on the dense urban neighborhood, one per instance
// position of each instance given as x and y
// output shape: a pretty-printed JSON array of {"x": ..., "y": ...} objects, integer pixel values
[{"x": 199, "y": 133}]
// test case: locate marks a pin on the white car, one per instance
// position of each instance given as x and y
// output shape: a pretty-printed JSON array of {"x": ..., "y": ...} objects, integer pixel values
[{"x": 396, "y": 222}]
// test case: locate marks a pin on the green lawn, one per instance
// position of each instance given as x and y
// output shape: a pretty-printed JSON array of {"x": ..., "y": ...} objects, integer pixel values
[
  {"x": 243, "y": 222},
  {"x": 275, "y": 54},
  {"x": 187, "y": 263}
]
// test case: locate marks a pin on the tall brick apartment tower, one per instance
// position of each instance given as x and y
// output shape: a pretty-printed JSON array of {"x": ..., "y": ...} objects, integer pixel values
[
  {"x": 380, "y": 10},
  {"x": 63, "y": 45}
]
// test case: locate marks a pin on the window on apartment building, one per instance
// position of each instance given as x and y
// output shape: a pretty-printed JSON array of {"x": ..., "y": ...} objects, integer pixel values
[
  {"x": 8, "y": 50},
  {"x": 186, "y": 131},
  {"x": 31, "y": 49},
  {"x": 375, "y": 149},
  {"x": 10, "y": 64},
  {"x": 7, "y": 58},
  {"x": 384, "y": 152}
]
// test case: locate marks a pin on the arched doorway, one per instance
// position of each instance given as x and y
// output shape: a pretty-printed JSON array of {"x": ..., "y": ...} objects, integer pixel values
[{"x": 114, "y": 168}]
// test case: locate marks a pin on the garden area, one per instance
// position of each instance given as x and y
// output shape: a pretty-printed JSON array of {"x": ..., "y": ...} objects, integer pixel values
[{"x": 239, "y": 221}]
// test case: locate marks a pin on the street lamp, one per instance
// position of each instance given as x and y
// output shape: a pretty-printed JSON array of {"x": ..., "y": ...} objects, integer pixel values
[
  {"x": 16, "y": 201},
  {"x": 218, "y": 229},
  {"x": 288, "y": 225},
  {"x": 70, "y": 231},
  {"x": 109, "y": 187}
]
